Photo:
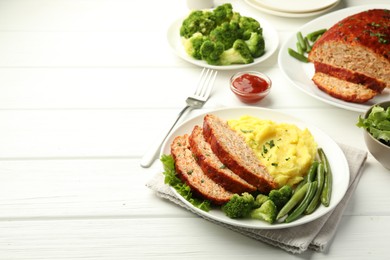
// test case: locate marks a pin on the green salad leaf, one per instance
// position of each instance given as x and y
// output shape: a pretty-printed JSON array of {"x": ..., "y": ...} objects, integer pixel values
[
  {"x": 183, "y": 189},
  {"x": 377, "y": 123}
]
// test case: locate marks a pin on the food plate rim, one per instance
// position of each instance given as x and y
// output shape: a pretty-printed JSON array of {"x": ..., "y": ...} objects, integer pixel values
[
  {"x": 253, "y": 4},
  {"x": 284, "y": 6},
  {"x": 331, "y": 148}
]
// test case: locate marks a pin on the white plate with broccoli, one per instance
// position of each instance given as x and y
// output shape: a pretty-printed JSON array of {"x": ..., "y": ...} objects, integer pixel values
[
  {"x": 230, "y": 59},
  {"x": 335, "y": 155}
]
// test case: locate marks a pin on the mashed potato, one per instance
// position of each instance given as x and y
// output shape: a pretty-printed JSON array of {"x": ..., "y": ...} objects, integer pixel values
[{"x": 284, "y": 149}]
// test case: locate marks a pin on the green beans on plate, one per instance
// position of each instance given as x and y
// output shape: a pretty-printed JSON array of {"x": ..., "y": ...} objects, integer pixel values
[
  {"x": 315, "y": 189},
  {"x": 296, "y": 198},
  {"x": 298, "y": 211},
  {"x": 328, "y": 182},
  {"x": 297, "y": 55},
  {"x": 304, "y": 44},
  {"x": 320, "y": 178}
]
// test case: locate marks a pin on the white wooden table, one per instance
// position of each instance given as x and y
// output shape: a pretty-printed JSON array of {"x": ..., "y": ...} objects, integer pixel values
[{"x": 85, "y": 88}]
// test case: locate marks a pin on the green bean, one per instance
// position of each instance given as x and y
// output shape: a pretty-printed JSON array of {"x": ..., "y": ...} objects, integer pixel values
[
  {"x": 311, "y": 175},
  {"x": 327, "y": 189},
  {"x": 301, "y": 41},
  {"x": 299, "y": 48},
  {"x": 313, "y": 36},
  {"x": 308, "y": 48},
  {"x": 297, "y": 55},
  {"x": 311, "y": 190},
  {"x": 320, "y": 184},
  {"x": 296, "y": 198},
  {"x": 300, "y": 184}
]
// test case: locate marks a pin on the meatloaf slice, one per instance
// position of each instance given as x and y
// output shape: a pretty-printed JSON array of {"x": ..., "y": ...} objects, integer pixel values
[
  {"x": 233, "y": 151},
  {"x": 213, "y": 167},
  {"x": 351, "y": 76},
  {"x": 191, "y": 173},
  {"x": 344, "y": 90}
]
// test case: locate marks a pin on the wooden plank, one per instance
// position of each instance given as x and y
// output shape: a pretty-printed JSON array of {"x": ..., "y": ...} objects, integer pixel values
[
  {"x": 149, "y": 238},
  {"x": 117, "y": 132},
  {"x": 50, "y": 188}
]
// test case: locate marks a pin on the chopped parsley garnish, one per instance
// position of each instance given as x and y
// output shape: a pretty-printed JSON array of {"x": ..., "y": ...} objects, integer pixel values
[
  {"x": 246, "y": 131},
  {"x": 271, "y": 143}
]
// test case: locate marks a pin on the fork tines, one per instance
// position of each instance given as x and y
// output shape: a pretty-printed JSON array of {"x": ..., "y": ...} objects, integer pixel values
[{"x": 205, "y": 83}]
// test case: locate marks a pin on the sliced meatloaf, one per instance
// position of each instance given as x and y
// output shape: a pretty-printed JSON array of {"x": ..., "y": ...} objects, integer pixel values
[
  {"x": 213, "y": 167},
  {"x": 233, "y": 151},
  {"x": 190, "y": 172},
  {"x": 350, "y": 76},
  {"x": 358, "y": 44},
  {"x": 344, "y": 90}
]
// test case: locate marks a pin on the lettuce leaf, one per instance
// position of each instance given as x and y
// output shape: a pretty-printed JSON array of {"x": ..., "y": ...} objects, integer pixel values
[
  {"x": 183, "y": 189},
  {"x": 377, "y": 123}
]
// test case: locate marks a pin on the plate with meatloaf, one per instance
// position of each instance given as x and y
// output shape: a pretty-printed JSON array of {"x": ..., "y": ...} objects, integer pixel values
[
  {"x": 349, "y": 64},
  {"x": 206, "y": 130}
]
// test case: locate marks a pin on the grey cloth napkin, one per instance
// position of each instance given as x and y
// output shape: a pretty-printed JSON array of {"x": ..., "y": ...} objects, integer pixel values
[{"x": 315, "y": 235}]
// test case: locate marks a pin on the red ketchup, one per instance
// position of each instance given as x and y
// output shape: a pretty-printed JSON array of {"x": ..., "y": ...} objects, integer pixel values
[{"x": 250, "y": 88}]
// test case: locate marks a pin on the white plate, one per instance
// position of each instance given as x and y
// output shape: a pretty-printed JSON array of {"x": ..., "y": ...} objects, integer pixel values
[
  {"x": 334, "y": 153},
  {"x": 296, "y": 6},
  {"x": 300, "y": 73},
  {"x": 255, "y": 5},
  {"x": 270, "y": 34}
]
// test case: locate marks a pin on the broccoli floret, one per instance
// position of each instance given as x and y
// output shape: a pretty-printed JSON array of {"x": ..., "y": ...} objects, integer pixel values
[
  {"x": 197, "y": 21},
  {"x": 193, "y": 44},
  {"x": 281, "y": 196},
  {"x": 256, "y": 44},
  {"x": 266, "y": 212},
  {"x": 238, "y": 54},
  {"x": 260, "y": 199},
  {"x": 235, "y": 18},
  {"x": 210, "y": 52},
  {"x": 249, "y": 25},
  {"x": 223, "y": 13},
  {"x": 227, "y": 33},
  {"x": 239, "y": 206}
]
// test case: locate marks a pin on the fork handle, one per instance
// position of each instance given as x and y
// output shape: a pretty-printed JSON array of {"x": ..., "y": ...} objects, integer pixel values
[{"x": 151, "y": 154}]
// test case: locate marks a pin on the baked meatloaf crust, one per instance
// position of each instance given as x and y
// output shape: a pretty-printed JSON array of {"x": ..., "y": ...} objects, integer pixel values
[
  {"x": 213, "y": 167},
  {"x": 190, "y": 173},
  {"x": 233, "y": 152},
  {"x": 356, "y": 50}
]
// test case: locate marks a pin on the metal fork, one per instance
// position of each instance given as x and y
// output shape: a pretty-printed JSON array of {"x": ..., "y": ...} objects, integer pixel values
[{"x": 195, "y": 101}]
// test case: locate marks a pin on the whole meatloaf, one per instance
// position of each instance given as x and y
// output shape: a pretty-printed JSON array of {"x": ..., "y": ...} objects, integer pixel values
[
  {"x": 191, "y": 173},
  {"x": 356, "y": 51},
  {"x": 213, "y": 167},
  {"x": 233, "y": 152}
]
